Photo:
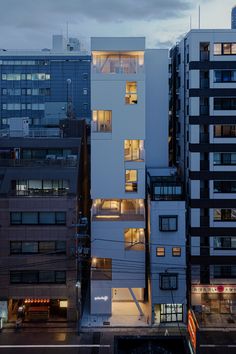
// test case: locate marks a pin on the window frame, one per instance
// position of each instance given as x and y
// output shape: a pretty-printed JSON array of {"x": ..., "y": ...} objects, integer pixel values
[
  {"x": 161, "y": 217},
  {"x": 168, "y": 275}
]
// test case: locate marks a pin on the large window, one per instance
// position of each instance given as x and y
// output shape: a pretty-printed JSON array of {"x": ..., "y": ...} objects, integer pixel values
[
  {"x": 131, "y": 96},
  {"x": 168, "y": 223},
  {"x": 171, "y": 313},
  {"x": 28, "y": 247},
  {"x": 224, "y": 75},
  {"x": 225, "y": 131},
  {"x": 224, "y": 104},
  {"x": 18, "y": 77},
  {"x": 134, "y": 150},
  {"x": 224, "y": 214},
  {"x": 168, "y": 281},
  {"x": 224, "y": 186},
  {"x": 131, "y": 180},
  {"x": 101, "y": 269},
  {"x": 134, "y": 239},
  {"x": 225, "y": 242},
  {"x": 102, "y": 121},
  {"x": 225, "y": 271},
  {"x": 108, "y": 208},
  {"x": 224, "y": 48},
  {"x": 224, "y": 158},
  {"x": 41, "y": 187},
  {"x": 115, "y": 63},
  {"x": 38, "y": 218},
  {"x": 38, "y": 277}
]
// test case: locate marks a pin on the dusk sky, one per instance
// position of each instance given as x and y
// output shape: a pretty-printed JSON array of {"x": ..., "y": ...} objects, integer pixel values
[{"x": 26, "y": 24}]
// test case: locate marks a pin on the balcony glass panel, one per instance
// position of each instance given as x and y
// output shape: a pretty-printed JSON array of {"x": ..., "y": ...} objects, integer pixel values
[
  {"x": 131, "y": 180},
  {"x": 118, "y": 63},
  {"x": 102, "y": 121},
  {"x": 123, "y": 209},
  {"x": 134, "y": 150}
]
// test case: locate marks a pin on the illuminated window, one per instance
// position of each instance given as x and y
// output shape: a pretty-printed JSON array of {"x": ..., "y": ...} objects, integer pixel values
[
  {"x": 131, "y": 178},
  {"x": 160, "y": 251},
  {"x": 102, "y": 121},
  {"x": 118, "y": 63},
  {"x": 131, "y": 93},
  {"x": 134, "y": 150},
  {"x": 176, "y": 251},
  {"x": 101, "y": 269},
  {"x": 134, "y": 239}
]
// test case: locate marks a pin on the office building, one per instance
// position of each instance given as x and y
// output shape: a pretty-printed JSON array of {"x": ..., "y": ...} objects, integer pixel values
[{"x": 44, "y": 86}]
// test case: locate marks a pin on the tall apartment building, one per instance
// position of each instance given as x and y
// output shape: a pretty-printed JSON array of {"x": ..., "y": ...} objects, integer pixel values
[
  {"x": 204, "y": 108},
  {"x": 44, "y": 86},
  {"x": 42, "y": 186}
]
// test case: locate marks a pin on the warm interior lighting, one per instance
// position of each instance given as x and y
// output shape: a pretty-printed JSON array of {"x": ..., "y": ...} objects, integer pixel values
[
  {"x": 63, "y": 303},
  {"x": 107, "y": 216}
]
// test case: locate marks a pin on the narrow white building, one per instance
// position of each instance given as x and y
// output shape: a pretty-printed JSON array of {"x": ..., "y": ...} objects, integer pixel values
[{"x": 117, "y": 175}]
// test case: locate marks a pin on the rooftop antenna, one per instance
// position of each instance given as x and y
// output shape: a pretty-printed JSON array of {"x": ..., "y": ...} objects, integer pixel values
[{"x": 199, "y": 17}]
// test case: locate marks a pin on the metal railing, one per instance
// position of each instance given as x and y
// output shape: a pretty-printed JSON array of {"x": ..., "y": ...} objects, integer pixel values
[{"x": 38, "y": 163}]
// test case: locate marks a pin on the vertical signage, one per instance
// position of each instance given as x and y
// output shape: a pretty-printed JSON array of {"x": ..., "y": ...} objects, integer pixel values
[{"x": 192, "y": 330}]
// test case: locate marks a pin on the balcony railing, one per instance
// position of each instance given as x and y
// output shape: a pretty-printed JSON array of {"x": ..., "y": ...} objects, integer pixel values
[
  {"x": 204, "y": 165},
  {"x": 204, "y": 55},
  {"x": 204, "y": 138},
  {"x": 38, "y": 163}
]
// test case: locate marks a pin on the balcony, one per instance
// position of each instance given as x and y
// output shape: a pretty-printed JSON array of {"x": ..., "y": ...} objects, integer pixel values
[
  {"x": 118, "y": 210},
  {"x": 38, "y": 163},
  {"x": 204, "y": 138},
  {"x": 204, "y": 55},
  {"x": 204, "y": 165},
  {"x": 39, "y": 193},
  {"x": 204, "y": 221},
  {"x": 204, "y": 110}
]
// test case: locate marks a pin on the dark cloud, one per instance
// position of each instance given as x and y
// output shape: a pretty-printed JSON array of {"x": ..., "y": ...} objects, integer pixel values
[{"x": 23, "y": 20}]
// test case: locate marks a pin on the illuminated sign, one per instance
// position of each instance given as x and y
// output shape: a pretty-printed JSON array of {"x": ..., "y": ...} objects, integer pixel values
[
  {"x": 101, "y": 298},
  {"x": 192, "y": 330},
  {"x": 214, "y": 289},
  {"x": 63, "y": 303}
]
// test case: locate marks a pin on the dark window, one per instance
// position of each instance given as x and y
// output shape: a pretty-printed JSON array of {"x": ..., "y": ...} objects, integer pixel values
[
  {"x": 168, "y": 281},
  {"x": 225, "y": 271},
  {"x": 37, "y": 277},
  {"x": 38, "y": 218},
  {"x": 227, "y": 104},
  {"x": 227, "y": 242},
  {"x": 224, "y": 186},
  {"x": 168, "y": 223},
  {"x": 50, "y": 247}
]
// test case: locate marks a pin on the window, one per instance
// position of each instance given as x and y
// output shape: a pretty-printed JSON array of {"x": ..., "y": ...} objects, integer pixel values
[
  {"x": 224, "y": 48},
  {"x": 101, "y": 269},
  {"x": 228, "y": 131},
  {"x": 176, "y": 251},
  {"x": 134, "y": 150},
  {"x": 160, "y": 251},
  {"x": 226, "y": 104},
  {"x": 131, "y": 93},
  {"x": 171, "y": 313},
  {"x": 131, "y": 181},
  {"x": 168, "y": 223},
  {"x": 226, "y": 242},
  {"x": 123, "y": 63},
  {"x": 102, "y": 121},
  {"x": 224, "y": 75},
  {"x": 85, "y": 91},
  {"x": 224, "y": 214},
  {"x": 226, "y": 158},
  {"x": 38, "y": 218},
  {"x": 28, "y": 247},
  {"x": 168, "y": 281},
  {"x": 18, "y": 77},
  {"x": 134, "y": 239},
  {"x": 224, "y": 186},
  {"x": 37, "y": 277},
  {"x": 224, "y": 271}
]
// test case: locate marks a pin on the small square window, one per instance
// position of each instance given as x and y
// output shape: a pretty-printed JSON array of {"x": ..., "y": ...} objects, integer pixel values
[
  {"x": 168, "y": 281},
  {"x": 176, "y": 251},
  {"x": 85, "y": 91},
  {"x": 160, "y": 251},
  {"x": 168, "y": 223}
]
